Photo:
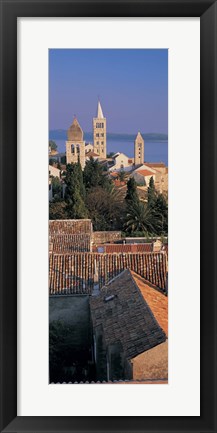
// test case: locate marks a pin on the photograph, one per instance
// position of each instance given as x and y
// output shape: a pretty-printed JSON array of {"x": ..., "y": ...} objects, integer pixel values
[{"x": 108, "y": 216}]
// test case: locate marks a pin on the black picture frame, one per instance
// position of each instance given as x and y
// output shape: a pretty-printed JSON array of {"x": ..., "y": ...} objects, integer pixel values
[{"x": 10, "y": 11}]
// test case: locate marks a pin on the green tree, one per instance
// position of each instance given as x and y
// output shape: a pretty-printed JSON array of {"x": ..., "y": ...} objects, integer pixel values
[
  {"x": 161, "y": 210},
  {"x": 95, "y": 175},
  {"x": 139, "y": 218},
  {"x": 110, "y": 155},
  {"x": 74, "y": 194},
  {"x": 59, "y": 165},
  {"x": 57, "y": 210},
  {"x": 81, "y": 179},
  {"x": 56, "y": 188},
  {"x": 52, "y": 145},
  {"x": 122, "y": 175},
  {"x": 105, "y": 209},
  {"x": 63, "y": 160},
  {"x": 152, "y": 194},
  {"x": 131, "y": 195}
]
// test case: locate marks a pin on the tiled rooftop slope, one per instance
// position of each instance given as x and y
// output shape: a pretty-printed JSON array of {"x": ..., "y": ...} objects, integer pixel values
[
  {"x": 70, "y": 227},
  {"x": 76, "y": 273},
  {"x": 125, "y": 248},
  {"x": 129, "y": 318},
  {"x": 69, "y": 243},
  {"x": 106, "y": 236}
]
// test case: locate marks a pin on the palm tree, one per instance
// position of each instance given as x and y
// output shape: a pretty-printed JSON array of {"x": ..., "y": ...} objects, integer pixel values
[{"x": 140, "y": 218}]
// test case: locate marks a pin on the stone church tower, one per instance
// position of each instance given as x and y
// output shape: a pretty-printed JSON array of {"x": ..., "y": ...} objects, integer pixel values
[
  {"x": 99, "y": 133},
  {"x": 139, "y": 150},
  {"x": 75, "y": 145}
]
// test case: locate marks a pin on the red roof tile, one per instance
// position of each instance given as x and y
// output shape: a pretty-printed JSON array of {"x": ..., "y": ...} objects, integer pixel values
[
  {"x": 157, "y": 301},
  {"x": 145, "y": 172},
  {"x": 126, "y": 316},
  {"x": 155, "y": 164}
]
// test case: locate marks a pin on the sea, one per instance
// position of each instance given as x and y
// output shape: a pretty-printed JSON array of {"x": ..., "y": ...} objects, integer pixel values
[{"x": 156, "y": 145}]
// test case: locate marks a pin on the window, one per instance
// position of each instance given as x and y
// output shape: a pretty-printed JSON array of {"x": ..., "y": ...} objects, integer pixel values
[
  {"x": 72, "y": 149},
  {"x": 109, "y": 298},
  {"x": 102, "y": 135},
  {"x": 97, "y": 142},
  {"x": 102, "y": 142},
  {"x": 78, "y": 149}
]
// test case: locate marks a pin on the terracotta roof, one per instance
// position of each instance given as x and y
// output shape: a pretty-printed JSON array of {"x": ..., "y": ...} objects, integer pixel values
[
  {"x": 76, "y": 226},
  {"x": 118, "y": 182},
  {"x": 126, "y": 316},
  {"x": 155, "y": 164},
  {"x": 67, "y": 243},
  {"x": 114, "y": 174},
  {"x": 145, "y": 172},
  {"x": 125, "y": 248},
  {"x": 155, "y": 299},
  {"x": 76, "y": 272},
  {"x": 90, "y": 153}
]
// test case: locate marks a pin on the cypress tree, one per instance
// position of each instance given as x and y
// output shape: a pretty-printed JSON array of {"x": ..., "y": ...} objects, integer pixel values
[
  {"x": 152, "y": 195},
  {"x": 74, "y": 194},
  {"x": 131, "y": 195}
]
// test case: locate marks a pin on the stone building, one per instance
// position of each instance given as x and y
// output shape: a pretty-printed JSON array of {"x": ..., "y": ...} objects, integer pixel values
[
  {"x": 75, "y": 145},
  {"x": 120, "y": 162},
  {"x": 143, "y": 176},
  {"x": 139, "y": 149},
  {"x": 99, "y": 133},
  {"x": 157, "y": 170},
  {"x": 161, "y": 178},
  {"x": 130, "y": 328}
]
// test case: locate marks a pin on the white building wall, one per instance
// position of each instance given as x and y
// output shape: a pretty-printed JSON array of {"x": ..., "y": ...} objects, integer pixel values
[{"x": 53, "y": 171}]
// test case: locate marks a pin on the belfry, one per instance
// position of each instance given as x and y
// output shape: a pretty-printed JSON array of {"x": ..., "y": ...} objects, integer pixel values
[
  {"x": 99, "y": 133},
  {"x": 139, "y": 149},
  {"x": 75, "y": 145}
]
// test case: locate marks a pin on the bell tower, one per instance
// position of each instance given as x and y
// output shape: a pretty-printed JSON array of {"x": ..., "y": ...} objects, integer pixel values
[
  {"x": 99, "y": 133},
  {"x": 75, "y": 145},
  {"x": 139, "y": 150}
]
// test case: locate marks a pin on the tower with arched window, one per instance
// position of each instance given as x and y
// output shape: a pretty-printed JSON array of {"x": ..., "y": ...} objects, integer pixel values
[
  {"x": 99, "y": 133},
  {"x": 139, "y": 149},
  {"x": 75, "y": 145}
]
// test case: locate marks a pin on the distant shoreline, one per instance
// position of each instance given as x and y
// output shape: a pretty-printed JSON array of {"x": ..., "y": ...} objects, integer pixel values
[{"x": 61, "y": 134}]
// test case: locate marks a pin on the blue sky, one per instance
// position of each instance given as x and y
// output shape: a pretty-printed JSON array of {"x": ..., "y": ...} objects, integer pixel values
[{"x": 132, "y": 86}]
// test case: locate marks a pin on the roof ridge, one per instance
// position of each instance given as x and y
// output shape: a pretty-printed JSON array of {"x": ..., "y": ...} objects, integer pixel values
[
  {"x": 153, "y": 286},
  {"x": 128, "y": 270},
  {"x": 146, "y": 303},
  {"x": 114, "y": 278}
]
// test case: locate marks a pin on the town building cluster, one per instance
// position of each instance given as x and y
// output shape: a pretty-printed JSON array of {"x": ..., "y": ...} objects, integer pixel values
[
  {"x": 112, "y": 290},
  {"x": 126, "y": 284},
  {"x": 78, "y": 150}
]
